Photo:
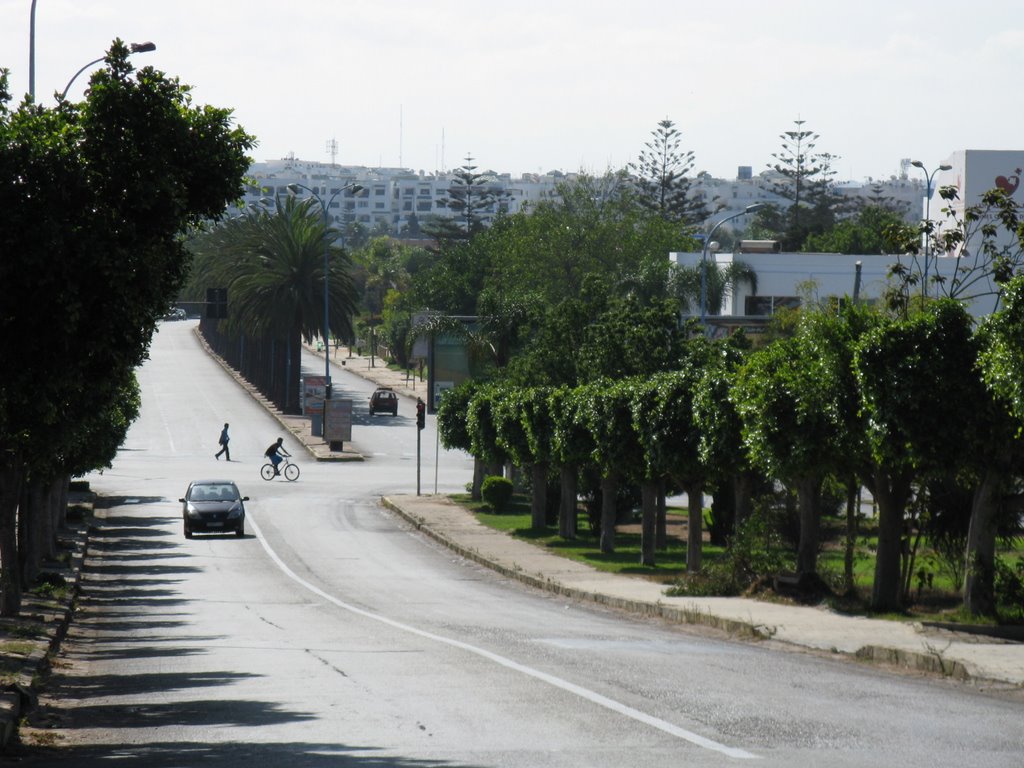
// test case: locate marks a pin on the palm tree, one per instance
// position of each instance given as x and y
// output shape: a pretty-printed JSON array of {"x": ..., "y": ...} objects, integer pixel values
[
  {"x": 272, "y": 264},
  {"x": 720, "y": 281}
]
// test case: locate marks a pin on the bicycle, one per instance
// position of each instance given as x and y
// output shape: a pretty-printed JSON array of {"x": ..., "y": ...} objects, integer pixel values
[{"x": 286, "y": 468}]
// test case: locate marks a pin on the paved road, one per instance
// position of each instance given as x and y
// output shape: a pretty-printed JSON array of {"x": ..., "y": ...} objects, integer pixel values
[{"x": 335, "y": 635}]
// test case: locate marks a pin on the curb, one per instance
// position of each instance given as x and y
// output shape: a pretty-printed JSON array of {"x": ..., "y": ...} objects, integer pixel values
[
  {"x": 656, "y": 610},
  {"x": 931, "y": 663},
  {"x": 21, "y": 696}
]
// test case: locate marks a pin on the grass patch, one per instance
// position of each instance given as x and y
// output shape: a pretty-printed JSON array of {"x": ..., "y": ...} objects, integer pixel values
[
  {"x": 934, "y": 599},
  {"x": 21, "y": 647},
  {"x": 516, "y": 521}
]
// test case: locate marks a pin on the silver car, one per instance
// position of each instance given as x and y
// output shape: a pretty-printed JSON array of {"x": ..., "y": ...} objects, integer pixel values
[{"x": 213, "y": 506}]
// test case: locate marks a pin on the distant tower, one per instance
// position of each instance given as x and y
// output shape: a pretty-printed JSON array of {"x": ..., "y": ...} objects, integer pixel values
[
  {"x": 332, "y": 150},
  {"x": 904, "y": 168}
]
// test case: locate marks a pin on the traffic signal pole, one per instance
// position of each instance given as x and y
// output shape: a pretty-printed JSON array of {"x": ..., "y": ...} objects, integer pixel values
[{"x": 421, "y": 422}]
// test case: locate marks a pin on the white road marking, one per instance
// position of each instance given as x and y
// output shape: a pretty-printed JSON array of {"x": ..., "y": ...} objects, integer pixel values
[{"x": 558, "y": 682}]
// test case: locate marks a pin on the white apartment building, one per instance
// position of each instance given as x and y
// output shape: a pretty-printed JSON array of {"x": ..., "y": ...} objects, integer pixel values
[
  {"x": 391, "y": 199},
  {"x": 395, "y": 199}
]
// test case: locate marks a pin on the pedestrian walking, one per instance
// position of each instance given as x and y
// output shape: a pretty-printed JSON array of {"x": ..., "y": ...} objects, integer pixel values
[{"x": 224, "y": 439}]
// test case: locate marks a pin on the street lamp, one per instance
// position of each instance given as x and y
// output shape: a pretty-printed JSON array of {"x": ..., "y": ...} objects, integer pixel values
[
  {"x": 928, "y": 215},
  {"x": 135, "y": 48},
  {"x": 356, "y": 189},
  {"x": 753, "y": 208}
]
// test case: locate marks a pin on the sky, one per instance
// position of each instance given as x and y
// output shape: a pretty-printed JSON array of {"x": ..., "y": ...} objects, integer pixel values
[{"x": 530, "y": 86}]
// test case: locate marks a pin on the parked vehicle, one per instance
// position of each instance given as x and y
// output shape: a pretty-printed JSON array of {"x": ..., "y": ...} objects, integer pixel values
[
  {"x": 384, "y": 400},
  {"x": 213, "y": 506}
]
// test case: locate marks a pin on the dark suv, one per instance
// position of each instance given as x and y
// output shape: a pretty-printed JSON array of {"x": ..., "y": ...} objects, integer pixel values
[{"x": 384, "y": 400}]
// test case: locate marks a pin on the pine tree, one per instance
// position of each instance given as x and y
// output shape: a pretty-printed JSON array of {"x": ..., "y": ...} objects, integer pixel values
[
  {"x": 662, "y": 180},
  {"x": 806, "y": 183},
  {"x": 471, "y": 198}
]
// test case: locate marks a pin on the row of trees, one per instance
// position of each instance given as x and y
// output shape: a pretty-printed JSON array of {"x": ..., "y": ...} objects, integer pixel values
[
  {"x": 95, "y": 196},
  {"x": 904, "y": 405}
]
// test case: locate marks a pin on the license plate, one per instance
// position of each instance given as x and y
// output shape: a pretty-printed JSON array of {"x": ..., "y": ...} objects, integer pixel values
[{"x": 215, "y": 524}]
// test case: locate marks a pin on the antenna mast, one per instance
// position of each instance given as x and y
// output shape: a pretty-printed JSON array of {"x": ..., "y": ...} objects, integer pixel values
[{"x": 332, "y": 149}]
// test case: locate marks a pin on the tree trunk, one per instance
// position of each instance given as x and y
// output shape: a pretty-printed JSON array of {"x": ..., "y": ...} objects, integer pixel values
[
  {"x": 609, "y": 488},
  {"x": 567, "y": 503},
  {"x": 539, "y": 496},
  {"x": 809, "y": 495},
  {"x": 649, "y": 525},
  {"x": 979, "y": 570},
  {"x": 11, "y": 479},
  {"x": 852, "y": 512},
  {"x": 661, "y": 532},
  {"x": 61, "y": 486},
  {"x": 743, "y": 490},
  {"x": 32, "y": 516},
  {"x": 891, "y": 493},
  {"x": 294, "y": 373},
  {"x": 695, "y": 527},
  {"x": 478, "y": 479}
]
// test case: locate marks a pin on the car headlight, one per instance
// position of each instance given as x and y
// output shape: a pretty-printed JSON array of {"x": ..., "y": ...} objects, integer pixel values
[
  {"x": 236, "y": 511},
  {"x": 191, "y": 511}
]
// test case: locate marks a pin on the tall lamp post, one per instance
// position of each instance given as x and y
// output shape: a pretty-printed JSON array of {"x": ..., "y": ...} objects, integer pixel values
[
  {"x": 928, "y": 216},
  {"x": 704, "y": 259},
  {"x": 294, "y": 189},
  {"x": 135, "y": 48},
  {"x": 32, "y": 52}
]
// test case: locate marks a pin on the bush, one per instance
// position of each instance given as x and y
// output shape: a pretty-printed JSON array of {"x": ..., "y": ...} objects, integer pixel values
[
  {"x": 1009, "y": 590},
  {"x": 756, "y": 553},
  {"x": 496, "y": 492}
]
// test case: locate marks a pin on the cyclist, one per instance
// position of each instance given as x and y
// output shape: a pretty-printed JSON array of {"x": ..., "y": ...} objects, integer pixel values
[{"x": 275, "y": 453}]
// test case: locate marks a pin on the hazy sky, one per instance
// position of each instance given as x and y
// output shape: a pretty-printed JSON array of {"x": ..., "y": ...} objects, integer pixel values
[{"x": 536, "y": 85}]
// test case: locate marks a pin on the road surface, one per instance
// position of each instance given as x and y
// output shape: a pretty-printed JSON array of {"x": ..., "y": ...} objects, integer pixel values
[{"x": 333, "y": 635}]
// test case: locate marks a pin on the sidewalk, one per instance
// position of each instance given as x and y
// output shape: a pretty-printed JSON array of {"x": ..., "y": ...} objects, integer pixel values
[
  {"x": 982, "y": 659},
  {"x": 985, "y": 661}
]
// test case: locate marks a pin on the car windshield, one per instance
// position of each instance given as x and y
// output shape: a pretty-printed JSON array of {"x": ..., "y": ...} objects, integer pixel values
[{"x": 214, "y": 492}]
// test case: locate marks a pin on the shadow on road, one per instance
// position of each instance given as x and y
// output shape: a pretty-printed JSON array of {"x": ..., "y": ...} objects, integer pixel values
[{"x": 228, "y": 755}]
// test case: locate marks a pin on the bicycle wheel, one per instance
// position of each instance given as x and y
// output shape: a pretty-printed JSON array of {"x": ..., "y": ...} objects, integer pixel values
[
  {"x": 267, "y": 472},
  {"x": 291, "y": 472}
]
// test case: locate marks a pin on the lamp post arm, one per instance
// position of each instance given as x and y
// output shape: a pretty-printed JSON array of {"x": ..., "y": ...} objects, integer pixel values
[
  {"x": 74, "y": 77},
  {"x": 133, "y": 47}
]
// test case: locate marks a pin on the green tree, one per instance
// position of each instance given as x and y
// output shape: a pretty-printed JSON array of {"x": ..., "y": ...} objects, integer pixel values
[
  {"x": 872, "y": 230},
  {"x": 524, "y": 426},
  {"x": 914, "y": 376},
  {"x": 998, "y": 451},
  {"x": 797, "y": 401},
  {"x": 96, "y": 196},
  {"x": 662, "y": 178},
  {"x": 571, "y": 447},
  {"x": 606, "y": 413}
]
